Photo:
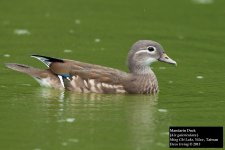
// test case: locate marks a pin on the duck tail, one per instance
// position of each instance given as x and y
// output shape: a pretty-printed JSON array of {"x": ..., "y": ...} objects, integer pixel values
[
  {"x": 47, "y": 60},
  {"x": 23, "y": 68},
  {"x": 38, "y": 74}
]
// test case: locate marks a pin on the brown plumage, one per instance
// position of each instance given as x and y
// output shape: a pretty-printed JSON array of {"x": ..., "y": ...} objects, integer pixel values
[{"x": 83, "y": 77}]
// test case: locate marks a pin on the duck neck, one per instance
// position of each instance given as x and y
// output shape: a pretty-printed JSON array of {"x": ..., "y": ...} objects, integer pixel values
[{"x": 141, "y": 70}]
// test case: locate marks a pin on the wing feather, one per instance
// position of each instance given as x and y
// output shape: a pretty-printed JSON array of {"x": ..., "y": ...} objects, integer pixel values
[{"x": 100, "y": 74}]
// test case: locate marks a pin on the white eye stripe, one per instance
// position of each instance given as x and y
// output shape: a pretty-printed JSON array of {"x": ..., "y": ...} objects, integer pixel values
[
  {"x": 142, "y": 51},
  {"x": 145, "y": 51}
]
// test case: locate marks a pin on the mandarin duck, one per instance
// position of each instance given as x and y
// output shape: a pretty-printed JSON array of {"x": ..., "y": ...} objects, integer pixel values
[{"x": 84, "y": 77}]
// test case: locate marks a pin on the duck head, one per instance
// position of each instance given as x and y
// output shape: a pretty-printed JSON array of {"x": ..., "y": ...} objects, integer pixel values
[{"x": 143, "y": 53}]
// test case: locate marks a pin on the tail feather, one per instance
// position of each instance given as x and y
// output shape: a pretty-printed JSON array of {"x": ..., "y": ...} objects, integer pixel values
[
  {"x": 47, "y": 60},
  {"x": 44, "y": 77},
  {"x": 23, "y": 68}
]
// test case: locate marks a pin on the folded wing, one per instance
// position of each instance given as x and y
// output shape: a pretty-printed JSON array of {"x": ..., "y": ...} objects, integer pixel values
[{"x": 84, "y": 77}]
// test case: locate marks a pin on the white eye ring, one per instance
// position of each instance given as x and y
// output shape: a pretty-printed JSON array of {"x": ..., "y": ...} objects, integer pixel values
[{"x": 151, "y": 48}]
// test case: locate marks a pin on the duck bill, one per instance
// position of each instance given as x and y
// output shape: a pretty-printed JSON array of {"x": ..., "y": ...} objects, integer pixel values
[{"x": 167, "y": 59}]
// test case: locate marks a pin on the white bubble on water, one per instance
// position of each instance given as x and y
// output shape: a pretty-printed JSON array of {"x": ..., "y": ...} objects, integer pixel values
[
  {"x": 67, "y": 51},
  {"x": 64, "y": 143},
  {"x": 71, "y": 31},
  {"x": 199, "y": 77},
  {"x": 21, "y": 32},
  {"x": 70, "y": 120},
  {"x": 203, "y": 1},
  {"x": 162, "y": 110},
  {"x": 6, "y": 55},
  {"x": 97, "y": 40},
  {"x": 170, "y": 82},
  {"x": 73, "y": 140},
  {"x": 77, "y": 21}
]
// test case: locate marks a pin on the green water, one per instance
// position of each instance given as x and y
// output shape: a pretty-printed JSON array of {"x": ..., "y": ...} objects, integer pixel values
[{"x": 101, "y": 32}]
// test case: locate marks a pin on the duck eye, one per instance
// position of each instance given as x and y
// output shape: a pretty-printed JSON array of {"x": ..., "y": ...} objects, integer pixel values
[{"x": 151, "y": 48}]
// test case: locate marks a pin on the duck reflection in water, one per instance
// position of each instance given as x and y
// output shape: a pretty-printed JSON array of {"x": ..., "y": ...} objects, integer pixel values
[{"x": 132, "y": 115}]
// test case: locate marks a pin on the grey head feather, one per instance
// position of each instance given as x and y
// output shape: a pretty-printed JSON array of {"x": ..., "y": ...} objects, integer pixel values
[{"x": 140, "y": 64}]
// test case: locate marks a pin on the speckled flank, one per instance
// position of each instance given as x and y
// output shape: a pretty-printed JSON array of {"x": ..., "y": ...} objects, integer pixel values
[{"x": 90, "y": 85}]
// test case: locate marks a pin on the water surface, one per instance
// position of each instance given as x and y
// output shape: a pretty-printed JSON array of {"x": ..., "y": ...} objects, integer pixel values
[{"x": 101, "y": 32}]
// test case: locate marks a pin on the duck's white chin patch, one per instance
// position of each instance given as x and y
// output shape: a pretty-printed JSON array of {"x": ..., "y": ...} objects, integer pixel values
[{"x": 150, "y": 61}]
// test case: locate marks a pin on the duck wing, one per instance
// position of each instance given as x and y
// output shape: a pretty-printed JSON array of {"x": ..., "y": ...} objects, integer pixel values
[{"x": 84, "y": 77}]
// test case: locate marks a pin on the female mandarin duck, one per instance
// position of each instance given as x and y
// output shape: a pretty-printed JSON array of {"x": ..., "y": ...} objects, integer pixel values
[{"x": 83, "y": 77}]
